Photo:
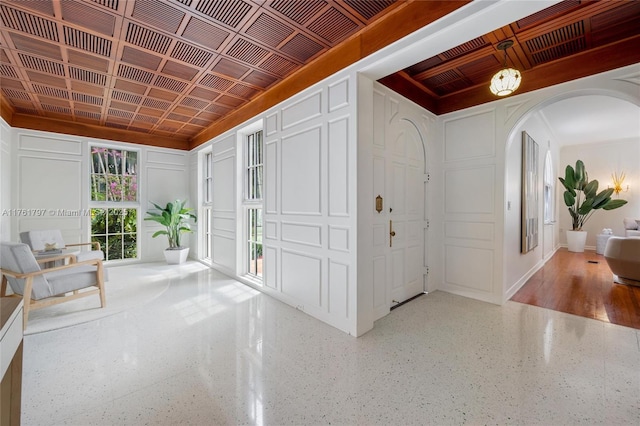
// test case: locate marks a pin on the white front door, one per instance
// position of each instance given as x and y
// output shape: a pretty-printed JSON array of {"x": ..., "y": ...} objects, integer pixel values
[
  {"x": 406, "y": 212},
  {"x": 399, "y": 229}
]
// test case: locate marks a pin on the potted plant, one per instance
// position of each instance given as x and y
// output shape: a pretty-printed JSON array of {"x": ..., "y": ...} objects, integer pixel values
[
  {"x": 175, "y": 218},
  {"x": 583, "y": 199}
]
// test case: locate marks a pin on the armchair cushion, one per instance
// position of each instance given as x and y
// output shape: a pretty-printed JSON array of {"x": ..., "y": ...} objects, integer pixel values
[
  {"x": 59, "y": 282},
  {"x": 38, "y": 239},
  {"x": 19, "y": 258},
  {"x": 90, "y": 255}
]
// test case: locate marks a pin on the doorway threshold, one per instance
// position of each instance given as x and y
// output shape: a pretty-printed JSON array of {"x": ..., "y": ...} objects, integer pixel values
[{"x": 407, "y": 301}]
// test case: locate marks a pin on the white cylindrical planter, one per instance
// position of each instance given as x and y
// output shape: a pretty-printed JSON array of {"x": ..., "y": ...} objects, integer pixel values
[
  {"x": 176, "y": 256},
  {"x": 576, "y": 240}
]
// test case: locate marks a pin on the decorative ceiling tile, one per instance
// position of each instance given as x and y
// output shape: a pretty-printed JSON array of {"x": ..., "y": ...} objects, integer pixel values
[
  {"x": 158, "y": 15},
  {"x": 82, "y": 14}
]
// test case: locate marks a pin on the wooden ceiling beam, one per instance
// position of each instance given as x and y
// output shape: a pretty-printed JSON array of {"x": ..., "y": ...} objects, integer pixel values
[
  {"x": 47, "y": 124},
  {"x": 401, "y": 82},
  {"x": 6, "y": 109}
]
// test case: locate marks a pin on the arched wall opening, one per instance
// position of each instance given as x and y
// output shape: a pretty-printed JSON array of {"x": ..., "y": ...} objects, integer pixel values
[{"x": 556, "y": 124}]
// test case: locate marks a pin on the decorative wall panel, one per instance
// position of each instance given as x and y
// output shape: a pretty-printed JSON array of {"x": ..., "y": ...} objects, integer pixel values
[
  {"x": 470, "y": 268},
  {"x": 271, "y": 229},
  {"x": 271, "y": 177},
  {"x": 339, "y": 238},
  {"x": 301, "y": 278},
  {"x": 223, "y": 224},
  {"x": 51, "y": 145},
  {"x": 166, "y": 158},
  {"x": 469, "y": 230},
  {"x": 49, "y": 183},
  {"x": 224, "y": 249},
  {"x": 301, "y": 173},
  {"x": 301, "y": 111},
  {"x": 271, "y": 268},
  {"x": 461, "y": 197},
  {"x": 225, "y": 190},
  {"x": 228, "y": 144},
  {"x": 338, "y": 95},
  {"x": 339, "y": 167},
  {"x": 302, "y": 233},
  {"x": 380, "y": 283},
  {"x": 338, "y": 289},
  {"x": 271, "y": 124},
  {"x": 470, "y": 137},
  {"x": 168, "y": 185}
]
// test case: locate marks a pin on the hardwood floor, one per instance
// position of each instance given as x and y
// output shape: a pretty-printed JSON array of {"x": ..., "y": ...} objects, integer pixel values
[{"x": 573, "y": 283}]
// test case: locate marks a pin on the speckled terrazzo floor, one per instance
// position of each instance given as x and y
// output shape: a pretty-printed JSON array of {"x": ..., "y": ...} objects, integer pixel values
[{"x": 211, "y": 351}]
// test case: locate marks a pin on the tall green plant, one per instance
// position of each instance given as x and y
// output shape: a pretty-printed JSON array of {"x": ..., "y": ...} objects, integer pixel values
[
  {"x": 582, "y": 196},
  {"x": 175, "y": 218}
]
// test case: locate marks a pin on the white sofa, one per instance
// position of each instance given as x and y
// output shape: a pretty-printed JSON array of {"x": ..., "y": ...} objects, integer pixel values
[
  {"x": 631, "y": 227},
  {"x": 623, "y": 257}
]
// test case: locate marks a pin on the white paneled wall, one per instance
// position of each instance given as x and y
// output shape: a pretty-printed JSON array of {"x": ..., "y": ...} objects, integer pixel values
[
  {"x": 225, "y": 199},
  {"x": 472, "y": 186},
  {"x": 194, "y": 194},
  {"x": 165, "y": 178},
  {"x": 309, "y": 207},
  {"x": 310, "y": 178},
  {"x": 5, "y": 181},
  {"x": 49, "y": 178}
]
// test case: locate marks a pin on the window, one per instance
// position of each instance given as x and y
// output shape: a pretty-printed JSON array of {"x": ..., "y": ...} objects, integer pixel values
[
  {"x": 114, "y": 202},
  {"x": 549, "y": 182},
  {"x": 207, "y": 200},
  {"x": 253, "y": 179},
  {"x": 253, "y": 203},
  {"x": 254, "y": 242}
]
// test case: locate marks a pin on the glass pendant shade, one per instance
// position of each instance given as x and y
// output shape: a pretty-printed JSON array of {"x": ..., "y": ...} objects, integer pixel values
[{"x": 505, "y": 82}]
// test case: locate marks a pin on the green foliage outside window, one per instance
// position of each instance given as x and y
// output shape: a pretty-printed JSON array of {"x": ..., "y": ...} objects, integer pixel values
[
  {"x": 116, "y": 231},
  {"x": 114, "y": 181},
  {"x": 113, "y": 175}
]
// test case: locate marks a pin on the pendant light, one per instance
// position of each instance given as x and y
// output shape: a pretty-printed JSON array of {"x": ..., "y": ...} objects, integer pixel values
[{"x": 507, "y": 80}]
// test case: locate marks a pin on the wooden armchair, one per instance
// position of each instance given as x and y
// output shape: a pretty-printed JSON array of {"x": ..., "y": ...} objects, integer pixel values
[
  {"x": 46, "y": 287},
  {"x": 39, "y": 239}
]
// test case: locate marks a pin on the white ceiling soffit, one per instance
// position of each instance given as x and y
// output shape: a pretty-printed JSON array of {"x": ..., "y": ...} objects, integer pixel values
[{"x": 591, "y": 119}]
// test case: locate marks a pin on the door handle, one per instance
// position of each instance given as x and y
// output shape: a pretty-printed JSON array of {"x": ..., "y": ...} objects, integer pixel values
[{"x": 392, "y": 233}]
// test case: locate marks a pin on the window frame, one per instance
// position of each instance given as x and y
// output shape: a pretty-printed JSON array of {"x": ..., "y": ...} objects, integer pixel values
[
  {"x": 109, "y": 205},
  {"x": 207, "y": 207},
  {"x": 548, "y": 191},
  {"x": 252, "y": 147}
]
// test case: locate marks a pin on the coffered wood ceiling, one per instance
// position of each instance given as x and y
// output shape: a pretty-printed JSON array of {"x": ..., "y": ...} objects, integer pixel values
[
  {"x": 178, "y": 72},
  {"x": 569, "y": 40}
]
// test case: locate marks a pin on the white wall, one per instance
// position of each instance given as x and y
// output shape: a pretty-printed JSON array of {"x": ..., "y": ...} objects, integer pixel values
[
  {"x": 5, "y": 181},
  {"x": 51, "y": 171},
  {"x": 473, "y": 160},
  {"x": 522, "y": 265},
  {"x": 309, "y": 205},
  {"x": 310, "y": 201},
  {"x": 601, "y": 160}
]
